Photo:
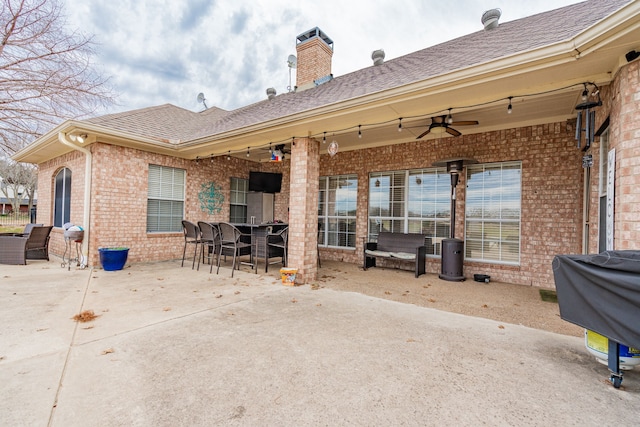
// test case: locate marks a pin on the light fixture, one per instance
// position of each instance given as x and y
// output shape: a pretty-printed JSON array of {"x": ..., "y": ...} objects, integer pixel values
[
  {"x": 400, "y": 124},
  {"x": 211, "y": 158},
  {"x": 632, "y": 55},
  {"x": 437, "y": 128},
  {"x": 359, "y": 131},
  {"x": 229, "y": 155},
  {"x": 589, "y": 117},
  {"x": 510, "y": 107},
  {"x": 449, "y": 117},
  {"x": 333, "y": 148},
  {"x": 377, "y": 183},
  {"x": 197, "y": 159},
  {"x": 78, "y": 137},
  {"x": 324, "y": 137},
  {"x": 248, "y": 152}
]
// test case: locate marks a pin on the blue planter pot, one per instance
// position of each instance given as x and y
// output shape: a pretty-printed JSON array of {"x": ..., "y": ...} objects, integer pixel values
[{"x": 113, "y": 259}]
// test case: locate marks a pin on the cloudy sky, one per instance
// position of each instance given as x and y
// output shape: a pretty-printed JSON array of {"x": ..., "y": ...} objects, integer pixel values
[{"x": 168, "y": 51}]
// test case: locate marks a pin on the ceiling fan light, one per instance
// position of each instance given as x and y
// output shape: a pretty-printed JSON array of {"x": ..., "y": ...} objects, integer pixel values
[{"x": 438, "y": 128}]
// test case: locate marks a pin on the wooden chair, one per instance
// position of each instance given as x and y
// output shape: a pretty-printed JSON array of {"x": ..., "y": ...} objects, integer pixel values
[
  {"x": 278, "y": 241},
  {"x": 230, "y": 243},
  {"x": 191, "y": 237},
  {"x": 209, "y": 239}
]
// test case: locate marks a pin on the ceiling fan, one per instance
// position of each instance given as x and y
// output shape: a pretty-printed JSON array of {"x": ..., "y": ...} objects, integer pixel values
[{"x": 440, "y": 125}]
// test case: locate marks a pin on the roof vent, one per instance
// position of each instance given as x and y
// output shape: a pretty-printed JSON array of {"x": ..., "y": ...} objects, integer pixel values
[
  {"x": 490, "y": 18},
  {"x": 378, "y": 57},
  {"x": 271, "y": 93}
]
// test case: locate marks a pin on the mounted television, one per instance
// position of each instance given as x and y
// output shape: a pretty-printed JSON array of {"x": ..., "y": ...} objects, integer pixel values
[{"x": 265, "y": 182}]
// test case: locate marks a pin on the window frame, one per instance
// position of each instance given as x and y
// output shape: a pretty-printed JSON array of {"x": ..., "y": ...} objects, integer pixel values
[
  {"x": 504, "y": 217},
  {"x": 169, "y": 196},
  {"x": 239, "y": 196},
  {"x": 337, "y": 229},
  {"x": 418, "y": 200},
  {"x": 62, "y": 205}
]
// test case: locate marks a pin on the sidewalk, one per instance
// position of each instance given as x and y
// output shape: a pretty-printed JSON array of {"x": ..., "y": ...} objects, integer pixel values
[{"x": 174, "y": 346}]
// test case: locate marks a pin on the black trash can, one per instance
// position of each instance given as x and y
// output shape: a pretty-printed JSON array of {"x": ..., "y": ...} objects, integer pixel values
[{"x": 451, "y": 259}]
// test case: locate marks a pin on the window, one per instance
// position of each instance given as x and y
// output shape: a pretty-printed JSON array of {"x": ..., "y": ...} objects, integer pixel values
[
  {"x": 165, "y": 199},
  {"x": 411, "y": 201},
  {"x": 62, "y": 198},
  {"x": 492, "y": 212},
  {"x": 337, "y": 211},
  {"x": 238, "y": 202}
]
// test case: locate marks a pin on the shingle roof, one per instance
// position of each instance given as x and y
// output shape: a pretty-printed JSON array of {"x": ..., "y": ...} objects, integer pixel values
[{"x": 170, "y": 123}]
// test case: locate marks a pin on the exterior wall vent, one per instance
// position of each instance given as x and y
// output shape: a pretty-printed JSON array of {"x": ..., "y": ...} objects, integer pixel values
[{"x": 490, "y": 18}]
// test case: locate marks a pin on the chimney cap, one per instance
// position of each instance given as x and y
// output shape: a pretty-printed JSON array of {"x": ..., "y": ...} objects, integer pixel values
[
  {"x": 490, "y": 18},
  {"x": 315, "y": 33}
]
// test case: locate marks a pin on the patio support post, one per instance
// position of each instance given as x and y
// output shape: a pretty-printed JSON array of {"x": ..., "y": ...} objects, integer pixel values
[{"x": 303, "y": 209}]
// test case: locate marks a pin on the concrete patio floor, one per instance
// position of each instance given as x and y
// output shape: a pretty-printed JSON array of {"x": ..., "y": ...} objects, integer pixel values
[{"x": 174, "y": 346}]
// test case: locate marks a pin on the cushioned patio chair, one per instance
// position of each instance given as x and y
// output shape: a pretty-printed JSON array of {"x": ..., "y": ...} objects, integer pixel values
[{"x": 17, "y": 249}]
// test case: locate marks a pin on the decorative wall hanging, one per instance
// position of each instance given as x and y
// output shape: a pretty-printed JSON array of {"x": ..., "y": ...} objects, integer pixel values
[
  {"x": 333, "y": 148},
  {"x": 211, "y": 198}
]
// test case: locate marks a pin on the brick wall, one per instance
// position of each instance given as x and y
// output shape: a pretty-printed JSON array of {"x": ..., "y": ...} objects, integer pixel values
[
  {"x": 625, "y": 138},
  {"x": 119, "y": 198},
  {"x": 551, "y": 191}
]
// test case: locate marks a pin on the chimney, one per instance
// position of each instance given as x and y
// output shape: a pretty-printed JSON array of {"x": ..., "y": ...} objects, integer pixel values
[
  {"x": 314, "y": 51},
  {"x": 490, "y": 18}
]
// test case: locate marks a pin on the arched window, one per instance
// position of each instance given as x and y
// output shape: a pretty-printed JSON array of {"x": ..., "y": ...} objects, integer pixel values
[{"x": 62, "y": 198}]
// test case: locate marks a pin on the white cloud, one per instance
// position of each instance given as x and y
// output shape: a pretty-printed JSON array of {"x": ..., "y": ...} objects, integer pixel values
[{"x": 164, "y": 51}]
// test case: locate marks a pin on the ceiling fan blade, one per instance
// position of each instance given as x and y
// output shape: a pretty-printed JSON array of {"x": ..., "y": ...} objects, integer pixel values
[
  {"x": 465, "y": 123},
  {"x": 424, "y": 133},
  {"x": 452, "y": 131}
]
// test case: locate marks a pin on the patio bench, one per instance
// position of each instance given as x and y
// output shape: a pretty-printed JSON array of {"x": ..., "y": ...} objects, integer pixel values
[{"x": 405, "y": 248}]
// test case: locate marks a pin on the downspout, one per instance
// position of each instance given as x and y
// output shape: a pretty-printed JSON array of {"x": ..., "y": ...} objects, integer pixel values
[{"x": 86, "y": 214}]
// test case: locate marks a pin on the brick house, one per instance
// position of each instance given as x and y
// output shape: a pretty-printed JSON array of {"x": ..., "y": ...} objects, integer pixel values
[{"x": 541, "y": 181}]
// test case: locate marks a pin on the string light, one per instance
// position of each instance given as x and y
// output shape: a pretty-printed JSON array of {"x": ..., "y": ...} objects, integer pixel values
[{"x": 585, "y": 95}]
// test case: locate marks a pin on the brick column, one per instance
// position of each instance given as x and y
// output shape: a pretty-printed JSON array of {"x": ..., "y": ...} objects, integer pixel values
[
  {"x": 303, "y": 209},
  {"x": 625, "y": 138}
]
